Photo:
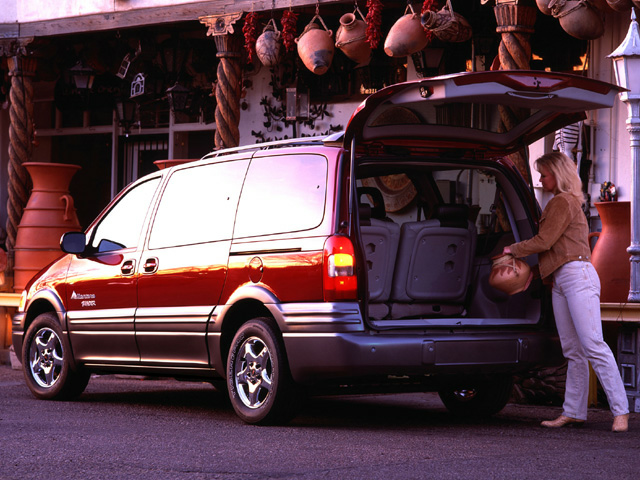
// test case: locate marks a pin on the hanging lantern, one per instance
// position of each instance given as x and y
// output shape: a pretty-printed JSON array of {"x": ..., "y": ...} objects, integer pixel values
[
  {"x": 82, "y": 76},
  {"x": 178, "y": 97}
]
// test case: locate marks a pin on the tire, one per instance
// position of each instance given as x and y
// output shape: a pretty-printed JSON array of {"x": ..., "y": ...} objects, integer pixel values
[
  {"x": 481, "y": 398},
  {"x": 260, "y": 385},
  {"x": 47, "y": 364}
]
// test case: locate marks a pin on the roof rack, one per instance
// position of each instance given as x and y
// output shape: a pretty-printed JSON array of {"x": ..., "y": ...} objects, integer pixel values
[{"x": 291, "y": 142}]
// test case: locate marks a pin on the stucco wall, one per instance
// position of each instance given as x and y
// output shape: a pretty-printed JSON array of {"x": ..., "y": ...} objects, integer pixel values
[{"x": 9, "y": 11}]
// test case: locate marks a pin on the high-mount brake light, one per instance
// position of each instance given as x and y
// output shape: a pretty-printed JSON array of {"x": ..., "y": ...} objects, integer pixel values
[{"x": 339, "y": 279}]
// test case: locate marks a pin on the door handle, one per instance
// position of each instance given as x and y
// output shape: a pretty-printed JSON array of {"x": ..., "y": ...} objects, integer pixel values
[
  {"x": 128, "y": 267},
  {"x": 150, "y": 265}
]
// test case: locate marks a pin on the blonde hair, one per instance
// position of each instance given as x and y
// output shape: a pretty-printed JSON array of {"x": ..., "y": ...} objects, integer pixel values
[{"x": 565, "y": 172}]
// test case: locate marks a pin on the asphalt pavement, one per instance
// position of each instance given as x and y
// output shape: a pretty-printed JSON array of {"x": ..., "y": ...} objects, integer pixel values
[{"x": 133, "y": 428}]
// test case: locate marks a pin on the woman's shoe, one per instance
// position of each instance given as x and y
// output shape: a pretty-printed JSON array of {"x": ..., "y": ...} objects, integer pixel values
[
  {"x": 563, "y": 421},
  {"x": 620, "y": 423}
]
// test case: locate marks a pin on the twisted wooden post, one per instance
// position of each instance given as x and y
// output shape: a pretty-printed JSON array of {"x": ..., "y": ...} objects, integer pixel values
[
  {"x": 228, "y": 87},
  {"x": 21, "y": 133},
  {"x": 515, "y": 25}
]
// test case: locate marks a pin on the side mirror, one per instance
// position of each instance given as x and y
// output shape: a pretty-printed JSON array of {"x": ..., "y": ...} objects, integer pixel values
[{"x": 73, "y": 242}]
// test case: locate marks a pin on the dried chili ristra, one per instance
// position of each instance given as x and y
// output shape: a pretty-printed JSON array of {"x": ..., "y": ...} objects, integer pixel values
[
  {"x": 250, "y": 31},
  {"x": 288, "y": 22},
  {"x": 374, "y": 22}
]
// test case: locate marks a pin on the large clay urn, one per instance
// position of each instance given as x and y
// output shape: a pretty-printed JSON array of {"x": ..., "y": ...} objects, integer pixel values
[
  {"x": 406, "y": 36},
  {"x": 49, "y": 213},
  {"x": 315, "y": 47},
  {"x": 351, "y": 39},
  {"x": 609, "y": 256}
]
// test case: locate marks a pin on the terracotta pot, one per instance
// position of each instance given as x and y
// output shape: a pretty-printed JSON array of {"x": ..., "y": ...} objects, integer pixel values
[
  {"x": 315, "y": 47},
  {"x": 578, "y": 18},
  {"x": 406, "y": 36},
  {"x": 620, "y": 5},
  {"x": 352, "y": 40},
  {"x": 609, "y": 256},
  {"x": 448, "y": 26},
  {"x": 268, "y": 45},
  {"x": 509, "y": 274},
  {"x": 49, "y": 213}
]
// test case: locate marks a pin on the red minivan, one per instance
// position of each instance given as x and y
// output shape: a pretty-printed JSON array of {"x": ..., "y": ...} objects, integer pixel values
[{"x": 355, "y": 260}]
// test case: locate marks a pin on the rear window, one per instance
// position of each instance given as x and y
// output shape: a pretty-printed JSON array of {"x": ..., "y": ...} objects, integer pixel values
[{"x": 282, "y": 194}]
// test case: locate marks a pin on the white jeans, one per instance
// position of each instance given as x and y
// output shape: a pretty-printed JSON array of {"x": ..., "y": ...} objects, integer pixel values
[{"x": 576, "y": 306}]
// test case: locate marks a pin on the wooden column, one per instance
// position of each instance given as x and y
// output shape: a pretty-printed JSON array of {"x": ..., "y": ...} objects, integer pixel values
[
  {"x": 22, "y": 68},
  {"x": 515, "y": 22},
  {"x": 228, "y": 87}
]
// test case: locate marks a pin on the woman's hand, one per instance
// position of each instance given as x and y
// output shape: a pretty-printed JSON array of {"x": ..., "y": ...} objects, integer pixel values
[{"x": 506, "y": 251}]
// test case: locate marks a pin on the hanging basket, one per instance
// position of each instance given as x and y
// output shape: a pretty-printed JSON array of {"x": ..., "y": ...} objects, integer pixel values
[{"x": 447, "y": 25}]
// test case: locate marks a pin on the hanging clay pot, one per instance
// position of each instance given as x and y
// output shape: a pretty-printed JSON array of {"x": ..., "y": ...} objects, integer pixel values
[
  {"x": 268, "y": 45},
  {"x": 447, "y": 25},
  {"x": 620, "y": 5},
  {"x": 49, "y": 213},
  {"x": 578, "y": 18},
  {"x": 352, "y": 40},
  {"x": 406, "y": 36},
  {"x": 609, "y": 256},
  {"x": 543, "y": 6},
  {"x": 315, "y": 47}
]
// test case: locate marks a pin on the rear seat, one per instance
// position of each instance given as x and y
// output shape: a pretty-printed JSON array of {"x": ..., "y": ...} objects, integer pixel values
[
  {"x": 380, "y": 237},
  {"x": 434, "y": 263}
]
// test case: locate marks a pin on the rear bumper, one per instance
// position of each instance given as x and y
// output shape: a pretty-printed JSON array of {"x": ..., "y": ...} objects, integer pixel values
[{"x": 342, "y": 356}]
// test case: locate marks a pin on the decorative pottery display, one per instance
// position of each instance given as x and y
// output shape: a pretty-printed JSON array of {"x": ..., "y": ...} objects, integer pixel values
[
  {"x": 447, "y": 25},
  {"x": 49, "y": 213},
  {"x": 543, "y": 6},
  {"x": 510, "y": 274},
  {"x": 351, "y": 38},
  {"x": 578, "y": 18},
  {"x": 609, "y": 256},
  {"x": 406, "y": 36},
  {"x": 268, "y": 45},
  {"x": 316, "y": 47}
]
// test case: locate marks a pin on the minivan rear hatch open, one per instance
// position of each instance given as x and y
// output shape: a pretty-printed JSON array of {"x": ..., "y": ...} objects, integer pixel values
[{"x": 481, "y": 115}]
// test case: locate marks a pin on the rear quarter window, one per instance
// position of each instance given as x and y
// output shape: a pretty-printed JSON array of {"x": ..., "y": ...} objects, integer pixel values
[
  {"x": 282, "y": 194},
  {"x": 198, "y": 205}
]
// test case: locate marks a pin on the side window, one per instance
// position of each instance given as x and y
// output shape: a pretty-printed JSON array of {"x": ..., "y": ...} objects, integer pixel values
[
  {"x": 282, "y": 194},
  {"x": 198, "y": 205},
  {"x": 122, "y": 225}
]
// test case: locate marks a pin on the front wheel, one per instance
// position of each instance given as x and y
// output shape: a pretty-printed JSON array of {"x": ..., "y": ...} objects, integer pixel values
[
  {"x": 479, "y": 398},
  {"x": 258, "y": 378},
  {"x": 47, "y": 364}
]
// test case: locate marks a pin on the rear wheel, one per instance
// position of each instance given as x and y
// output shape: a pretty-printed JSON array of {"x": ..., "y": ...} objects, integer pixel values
[
  {"x": 480, "y": 398},
  {"x": 260, "y": 385},
  {"x": 47, "y": 364}
]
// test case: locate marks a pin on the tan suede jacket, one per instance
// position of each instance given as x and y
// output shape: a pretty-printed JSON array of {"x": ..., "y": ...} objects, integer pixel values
[{"x": 562, "y": 238}]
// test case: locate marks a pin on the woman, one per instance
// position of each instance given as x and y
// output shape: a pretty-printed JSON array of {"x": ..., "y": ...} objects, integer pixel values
[{"x": 564, "y": 252}]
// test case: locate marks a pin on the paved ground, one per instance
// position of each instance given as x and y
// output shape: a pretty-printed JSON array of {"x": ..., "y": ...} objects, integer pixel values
[{"x": 156, "y": 429}]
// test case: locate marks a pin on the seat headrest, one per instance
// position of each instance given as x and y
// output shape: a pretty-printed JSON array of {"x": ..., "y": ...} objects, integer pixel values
[
  {"x": 452, "y": 215},
  {"x": 378, "y": 210}
]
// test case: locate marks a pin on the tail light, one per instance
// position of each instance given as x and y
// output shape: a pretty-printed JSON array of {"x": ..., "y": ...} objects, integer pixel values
[{"x": 339, "y": 269}]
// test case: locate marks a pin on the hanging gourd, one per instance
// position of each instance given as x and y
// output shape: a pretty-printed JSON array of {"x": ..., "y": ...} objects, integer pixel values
[
  {"x": 406, "y": 36},
  {"x": 268, "y": 45},
  {"x": 315, "y": 46},
  {"x": 447, "y": 25},
  {"x": 351, "y": 38}
]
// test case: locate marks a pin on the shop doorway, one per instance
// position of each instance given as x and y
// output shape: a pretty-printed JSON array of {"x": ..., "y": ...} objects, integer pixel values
[{"x": 137, "y": 154}]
